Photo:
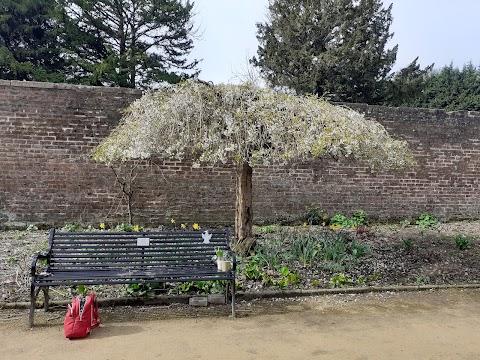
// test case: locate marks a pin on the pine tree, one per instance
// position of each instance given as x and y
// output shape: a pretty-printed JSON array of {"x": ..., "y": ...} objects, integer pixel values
[
  {"x": 128, "y": 43},
  {"x": 407, "y": 85},
  {"x": 29, "y": 49},
  {"x": 336, "y": 48}
]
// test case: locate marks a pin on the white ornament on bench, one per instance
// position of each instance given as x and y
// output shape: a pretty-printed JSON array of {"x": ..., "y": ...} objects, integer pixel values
[{"x": 206, "y": 236}]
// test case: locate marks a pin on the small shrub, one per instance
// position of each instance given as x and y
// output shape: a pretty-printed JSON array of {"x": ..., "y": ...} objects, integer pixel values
[
  {"x": 339, "y": 280},
  {"x": 315, "y": 216},
  {"x": 422, "y": 280},
  {"x": 462, "y": 242},
  {"x": 426, "y": 221},
  {"x": 407, "y": 243},
  {"x": 359, "y": 218},
  {"x": 342, "y": 221}
]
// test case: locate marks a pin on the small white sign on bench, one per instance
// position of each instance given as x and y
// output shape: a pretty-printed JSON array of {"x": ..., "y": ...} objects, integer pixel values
[{"x": 143, "y": 241}]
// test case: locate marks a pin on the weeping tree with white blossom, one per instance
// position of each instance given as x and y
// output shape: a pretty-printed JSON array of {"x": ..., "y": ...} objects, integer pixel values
[{"x": 250, "y": 126}]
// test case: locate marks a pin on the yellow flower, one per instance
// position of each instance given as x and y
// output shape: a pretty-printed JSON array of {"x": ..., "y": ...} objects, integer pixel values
[
  {"x": 183, "y": 226},
  {"x": 102, "y": 226},
  {"x": 196, "y": 226},
  {"x": 172, "y": 221},
  {"x": 332, "y": 227},
  {"x": 324, "y": 223},
  {"x": 324, "y": 217},
  {"x": 136, "y": 228},
  {"x": 304, "y": 224}
]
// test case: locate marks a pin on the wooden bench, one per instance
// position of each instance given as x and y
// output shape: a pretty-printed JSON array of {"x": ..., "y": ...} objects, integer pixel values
[{"x": 96, "y": 258}]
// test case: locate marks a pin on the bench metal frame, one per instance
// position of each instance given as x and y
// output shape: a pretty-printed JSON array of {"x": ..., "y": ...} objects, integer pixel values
[{"x": 99, "y": 258}]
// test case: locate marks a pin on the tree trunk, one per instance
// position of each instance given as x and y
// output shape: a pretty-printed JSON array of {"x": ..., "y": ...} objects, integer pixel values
[{"x": 243, "y": 208}]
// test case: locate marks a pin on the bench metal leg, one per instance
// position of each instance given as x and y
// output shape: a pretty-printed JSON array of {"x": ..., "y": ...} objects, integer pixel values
[
  {"x": 32, "y": 305},
  {"x": 233, "y": 298},
  {"x": 46, "y": 298}
]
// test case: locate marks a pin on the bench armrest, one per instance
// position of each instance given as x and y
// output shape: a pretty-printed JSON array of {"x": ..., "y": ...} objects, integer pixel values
[{"x": 35, "y": 260}]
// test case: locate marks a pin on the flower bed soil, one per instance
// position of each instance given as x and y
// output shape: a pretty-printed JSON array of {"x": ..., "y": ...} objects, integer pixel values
[{"x": 398, "y": 256}]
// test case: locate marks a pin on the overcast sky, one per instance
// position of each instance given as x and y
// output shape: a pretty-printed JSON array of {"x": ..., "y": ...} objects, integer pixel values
[{"x": 438, "y": 31}]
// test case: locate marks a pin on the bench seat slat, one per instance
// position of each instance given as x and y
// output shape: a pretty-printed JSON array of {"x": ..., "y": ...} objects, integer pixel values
[{"x": 133, "y": 260}]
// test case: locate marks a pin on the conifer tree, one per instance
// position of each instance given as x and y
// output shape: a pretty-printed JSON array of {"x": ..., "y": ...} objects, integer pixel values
[
  {"x": 128, "y": 43},
  {"x": 336, "y": 48},
  {"x": 29, "y": 48}
]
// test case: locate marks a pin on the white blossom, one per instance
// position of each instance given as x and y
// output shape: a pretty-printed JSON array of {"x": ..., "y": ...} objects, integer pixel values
[{"x": 217, "y": 123}]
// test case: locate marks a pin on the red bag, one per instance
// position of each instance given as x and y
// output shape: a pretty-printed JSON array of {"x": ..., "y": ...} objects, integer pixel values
[{"x": 82, "y": 316}]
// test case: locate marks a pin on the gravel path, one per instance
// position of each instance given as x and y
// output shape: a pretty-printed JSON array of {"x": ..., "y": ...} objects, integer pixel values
[{"x": 423, "y": 325}]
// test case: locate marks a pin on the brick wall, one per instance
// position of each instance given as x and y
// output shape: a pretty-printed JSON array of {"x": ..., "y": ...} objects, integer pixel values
[{"x": 46, "y": 177}]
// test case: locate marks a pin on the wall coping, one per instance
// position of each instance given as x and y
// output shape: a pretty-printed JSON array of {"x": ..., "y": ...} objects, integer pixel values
[
  {"x": 439, "y": 113},
  {"x": 64, "y": 86}
]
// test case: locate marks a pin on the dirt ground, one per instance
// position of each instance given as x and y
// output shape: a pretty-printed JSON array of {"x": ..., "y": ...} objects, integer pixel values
[{"x": 442, "y": 324}]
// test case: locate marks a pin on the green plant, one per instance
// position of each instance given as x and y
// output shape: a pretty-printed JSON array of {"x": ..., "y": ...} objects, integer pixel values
[
  {"x": 287, "y": 278},
  {"x": 358, "y": 249},
  {"x": 339, "y": 280},
  {"x": 18, "y": 235},
  {"x": 306, "y": 248},
  {"x": 124, "y": 227},
  {"x": 422, "y": 280},
  {"x": 182, "y": 288},
  {"x": 82, "y": 289},
  {"x": 201, "y": 287},
  {"x": 342, "y": 221},
  {"x": 334, "y": 267},
  {"x": 269, "y": 254},
  {"x": 140, "y": 290},
  {"x": 12, "y": 260},
  {"x": 427, "y": 221},
  {"x": 462, "y": 242},
  {"x": 219, "y": 253},
  {"x": 359, "y": 218},
  {"x": 315, "y": 216},
  {"x": 72, "y": 227},
  {"x": 334, "y": 249},
  {"x": 268, "y": 229},
  {"x": 407, "y": 243},
  {"x": 32, "y": 227},
  {"x": 405, "y": 223},
  {"x": 252, "y": 270}
]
